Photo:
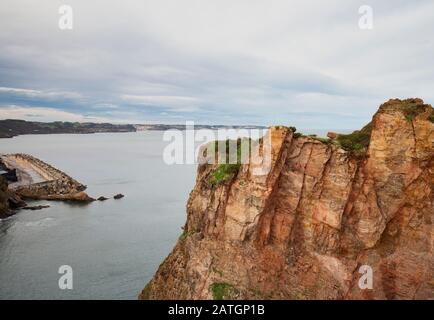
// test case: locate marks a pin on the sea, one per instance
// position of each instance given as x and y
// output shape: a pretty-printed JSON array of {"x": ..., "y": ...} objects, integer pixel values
[{"x": 112, "y": 247}]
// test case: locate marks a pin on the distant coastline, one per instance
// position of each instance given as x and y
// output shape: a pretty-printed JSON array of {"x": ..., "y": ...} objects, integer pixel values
[{"x": 13, "y": 127}]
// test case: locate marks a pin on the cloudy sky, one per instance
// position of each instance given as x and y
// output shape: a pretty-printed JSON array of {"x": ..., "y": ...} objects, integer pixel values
[{"x": 304, "y": 63}]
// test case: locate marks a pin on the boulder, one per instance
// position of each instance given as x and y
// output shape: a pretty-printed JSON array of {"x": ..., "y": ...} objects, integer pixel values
[
  {"x": 36, "y": 207},
  {"x": 81, "y": 197},
  {"x": 332, "y": 135}
]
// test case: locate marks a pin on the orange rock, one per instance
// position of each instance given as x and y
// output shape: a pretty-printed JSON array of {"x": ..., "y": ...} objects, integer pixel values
[
  {"x": 332, "y": 135},
  {"x": 302, "y": 230}
]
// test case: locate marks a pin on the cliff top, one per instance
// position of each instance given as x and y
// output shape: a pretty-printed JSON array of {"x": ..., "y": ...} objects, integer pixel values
[
  {"x": 358, "y": 141},
  {"x": 410, "y": 107}
]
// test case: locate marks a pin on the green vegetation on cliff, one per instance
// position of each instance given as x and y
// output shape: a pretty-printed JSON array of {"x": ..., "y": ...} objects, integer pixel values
[
  {"x": 226, "y": 171},
  {"x": 185, "y": 234},
  {"x": 293, "y": 129},
  {"x": 356, "y": 142},
  {"x": 411, "y": 108},
  {"x": 322, "y": 140},
  {"x": 223, "y": 291}
]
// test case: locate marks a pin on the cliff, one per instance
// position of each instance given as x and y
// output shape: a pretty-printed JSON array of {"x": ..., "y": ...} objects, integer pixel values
[{"x": 326, "y": 208}]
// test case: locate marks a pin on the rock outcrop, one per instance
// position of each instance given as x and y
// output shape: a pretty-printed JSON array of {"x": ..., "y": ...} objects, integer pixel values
[
  {"x": 4, "y": 206},
  {"x": 325, "y": 209},
  {"x": 9, "y": 201},
  {"x": 34, "y": 208}
]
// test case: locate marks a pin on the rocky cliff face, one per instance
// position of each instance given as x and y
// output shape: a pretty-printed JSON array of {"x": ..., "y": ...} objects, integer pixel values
[
  {"x": 326, "y": 208},
  {"x": 8, "y": 200},
  {"x": 4, "y": 206}
]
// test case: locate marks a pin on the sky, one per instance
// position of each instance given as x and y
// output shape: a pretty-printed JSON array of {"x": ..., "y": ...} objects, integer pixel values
[{"x": 277, "y": 62}]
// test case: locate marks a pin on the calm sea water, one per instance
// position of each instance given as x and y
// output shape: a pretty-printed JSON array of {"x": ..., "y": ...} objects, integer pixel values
[{"x": 114, "y": 247}]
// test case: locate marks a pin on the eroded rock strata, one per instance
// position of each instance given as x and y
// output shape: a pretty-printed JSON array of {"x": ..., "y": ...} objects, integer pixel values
[{"x": 303, "y": 230}]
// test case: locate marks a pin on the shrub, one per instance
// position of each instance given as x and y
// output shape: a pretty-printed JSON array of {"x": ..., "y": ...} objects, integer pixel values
[
  {"x": 226, "y": 171},
  {"x": 323, "y": 140},
  {"x": 293, "y": 129},
  {"x": 431, "y": 117},
  {"x": 409, "y": 117},
  {"x": 223, "y": 291},
  {"x": 280, "y": 127},
  {"x": 185, "y": 234},
  {"x": 411, "y": 109},
  {"x": 356, "y": 142}
]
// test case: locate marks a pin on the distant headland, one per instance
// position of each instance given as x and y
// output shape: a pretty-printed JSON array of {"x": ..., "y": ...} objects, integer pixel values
[{"x": 13, "y": 127}]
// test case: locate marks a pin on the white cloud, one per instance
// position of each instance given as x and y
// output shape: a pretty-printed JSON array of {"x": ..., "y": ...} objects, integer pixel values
[
  {"x": 249, "y": 61},
  {"x": 159, "y": 100},
  {"x": 175, "y": 103},
  {"x": 44, "y": 114},
  {"x": 39, "y": 94}
]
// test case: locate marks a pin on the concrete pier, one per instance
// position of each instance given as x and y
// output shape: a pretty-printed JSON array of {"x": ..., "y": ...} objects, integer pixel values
[{"x": 37, "y": 179}]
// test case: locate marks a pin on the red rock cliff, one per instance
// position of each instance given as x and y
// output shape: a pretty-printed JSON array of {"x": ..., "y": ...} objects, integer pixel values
[{"x": 303, "y": 230}]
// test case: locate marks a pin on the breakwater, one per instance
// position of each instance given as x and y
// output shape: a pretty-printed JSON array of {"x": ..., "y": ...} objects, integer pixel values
[{"x": 37, "y": 179}]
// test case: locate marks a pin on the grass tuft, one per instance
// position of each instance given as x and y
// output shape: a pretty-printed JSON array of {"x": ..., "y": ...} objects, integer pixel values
[
  {"x": 357, "y": 142},
  {"x": 146, "y": 292},
  {"x": 185, "y": 234},
  {"x": 223, "y": 291},
  {"x": 226, "y": 171},
  {"x": 412, "y": 109}
]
